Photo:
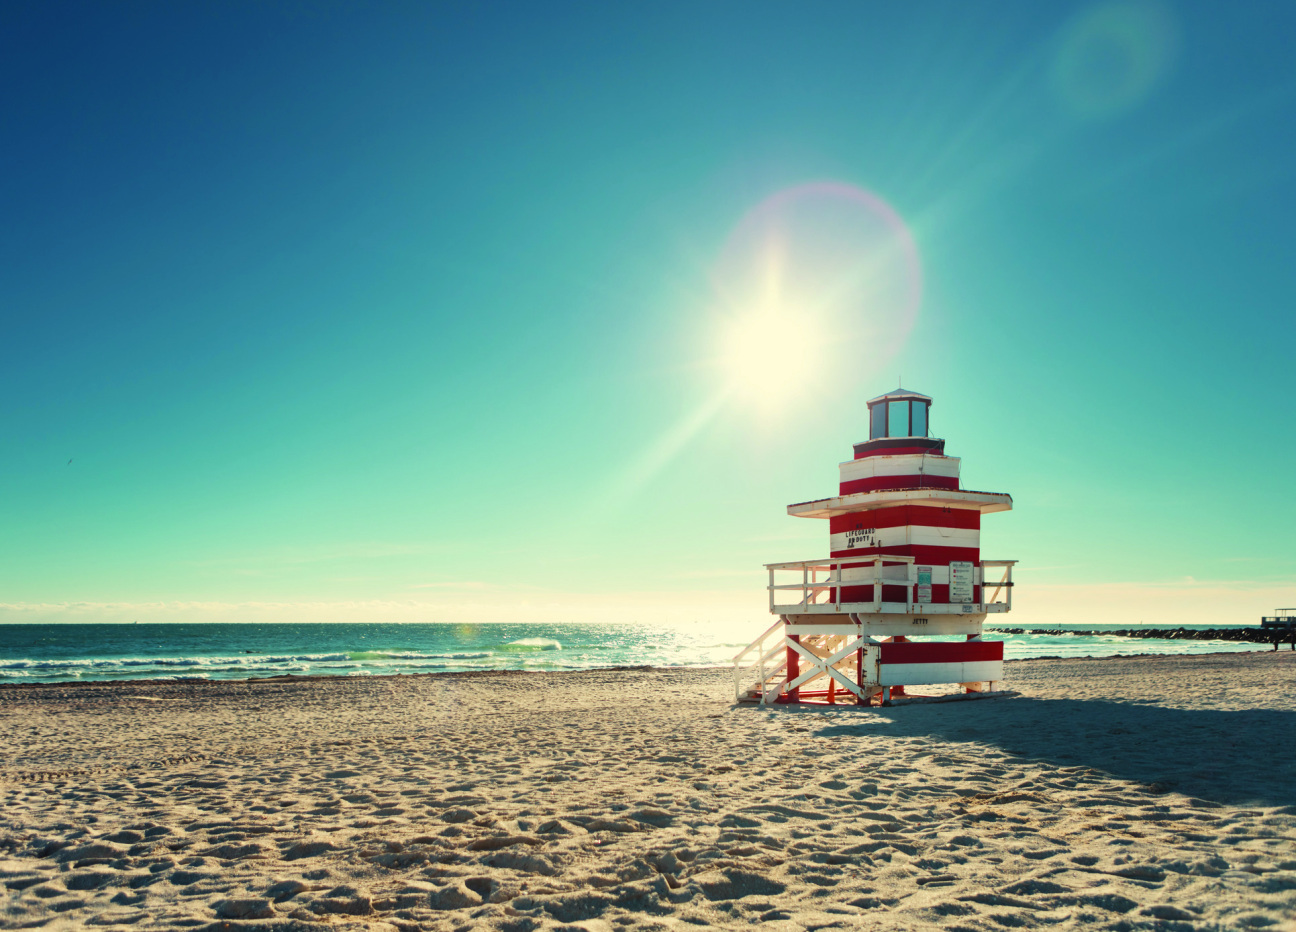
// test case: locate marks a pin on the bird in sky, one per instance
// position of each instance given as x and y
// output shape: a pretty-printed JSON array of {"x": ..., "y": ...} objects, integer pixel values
[{"x": 69, "y": 462}]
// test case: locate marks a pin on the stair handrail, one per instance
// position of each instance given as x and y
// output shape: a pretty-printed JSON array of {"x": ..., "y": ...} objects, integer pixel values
[
  {"x": 762, "y": 658},
  {"x": 746, "y": 650}
]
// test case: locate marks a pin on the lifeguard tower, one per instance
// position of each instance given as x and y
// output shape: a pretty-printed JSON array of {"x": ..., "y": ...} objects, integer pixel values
[{"x": 904, "y": 563}]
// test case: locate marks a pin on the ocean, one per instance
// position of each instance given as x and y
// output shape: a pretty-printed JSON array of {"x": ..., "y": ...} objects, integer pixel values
[{"x": 51, "y": 653}]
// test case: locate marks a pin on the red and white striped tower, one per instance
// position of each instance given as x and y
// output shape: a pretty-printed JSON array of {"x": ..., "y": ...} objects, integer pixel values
[{"x": 905, "y": 561}]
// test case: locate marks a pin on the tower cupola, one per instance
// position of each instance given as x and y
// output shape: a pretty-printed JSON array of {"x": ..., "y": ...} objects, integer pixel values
[
  {"x": 899, "y": 413},
  {"x": 899, "y": 422}
]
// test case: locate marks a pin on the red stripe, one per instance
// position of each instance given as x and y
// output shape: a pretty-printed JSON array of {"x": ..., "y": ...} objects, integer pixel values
[
  {"x": 940, "y": 651},
  {"x": 922, "y": 553},
  {"x": 906, "y": 515},
  {"x": 890, "y": 483}
]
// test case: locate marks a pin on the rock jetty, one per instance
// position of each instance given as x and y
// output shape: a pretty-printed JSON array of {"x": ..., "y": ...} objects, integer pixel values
[{"x": 1251, "y": 635}]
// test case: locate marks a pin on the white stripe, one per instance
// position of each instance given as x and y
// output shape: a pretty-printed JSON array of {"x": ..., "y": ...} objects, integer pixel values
[
  {"x": 915, "y": 674},
  {"x": 908, "y": 464},
  {"x": 905, "y": 534},
  {"x": 863, "y": 575}
]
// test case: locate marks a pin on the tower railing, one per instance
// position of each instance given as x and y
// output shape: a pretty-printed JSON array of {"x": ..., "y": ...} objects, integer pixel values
[
  {"x": 819, "y": 589},
  {"x": 1003, "y": 585}
]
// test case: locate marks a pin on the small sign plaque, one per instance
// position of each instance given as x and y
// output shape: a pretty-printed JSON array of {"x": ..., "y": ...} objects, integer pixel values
[
  {"x": 924, "y": 584},
  {"x": 960, "y": 582}
]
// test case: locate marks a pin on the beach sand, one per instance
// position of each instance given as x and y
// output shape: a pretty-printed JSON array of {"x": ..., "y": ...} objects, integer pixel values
[{"x": 1129, "y": 793}]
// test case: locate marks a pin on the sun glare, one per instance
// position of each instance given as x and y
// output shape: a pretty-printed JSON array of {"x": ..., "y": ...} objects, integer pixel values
[
  {"x": 815, "y": 284},
  {"x": 766, "y": 360}
]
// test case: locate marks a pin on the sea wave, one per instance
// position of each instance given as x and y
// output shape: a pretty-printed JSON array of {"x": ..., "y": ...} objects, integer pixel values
[
  {"x": 533, "y": 644},
  {"x": 226, "y": 652},
  {"x": 416, "y": 655},
  {"x": 242, "y": 665}
]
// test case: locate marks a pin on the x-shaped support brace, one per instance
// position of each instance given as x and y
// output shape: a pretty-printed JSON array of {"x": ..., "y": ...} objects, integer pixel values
[{"x": 821, "y": 665}]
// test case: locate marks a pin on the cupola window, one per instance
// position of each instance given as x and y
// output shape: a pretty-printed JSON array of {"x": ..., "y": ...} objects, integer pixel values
[{"x": 877, "y": 421}]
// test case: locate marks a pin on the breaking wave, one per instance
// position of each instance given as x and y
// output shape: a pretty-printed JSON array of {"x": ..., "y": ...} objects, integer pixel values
[{"x": 533, "y": 644}]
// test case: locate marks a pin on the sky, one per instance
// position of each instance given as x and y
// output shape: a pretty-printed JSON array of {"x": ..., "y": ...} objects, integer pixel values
[{"x": 518, "y": 311}]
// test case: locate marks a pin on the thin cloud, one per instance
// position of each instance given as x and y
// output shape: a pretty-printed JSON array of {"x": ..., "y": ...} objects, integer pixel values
[
  {"x": 720, "y": 574},
  {"x": 293, "y": 556},
  {"x": 452, "y": 584}
]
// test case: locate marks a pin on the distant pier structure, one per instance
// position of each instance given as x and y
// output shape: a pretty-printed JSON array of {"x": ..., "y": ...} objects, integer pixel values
[
  {"x": 1280, "y": 626},
  {"x": 902, "y": 597}
]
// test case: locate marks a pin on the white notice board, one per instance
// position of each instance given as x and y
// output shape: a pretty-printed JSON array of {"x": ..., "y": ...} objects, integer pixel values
[{"x": 960, "y": 582}]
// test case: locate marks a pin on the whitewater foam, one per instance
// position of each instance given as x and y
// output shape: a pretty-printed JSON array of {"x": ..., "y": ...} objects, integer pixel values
[{"x": 533, "y": 644}]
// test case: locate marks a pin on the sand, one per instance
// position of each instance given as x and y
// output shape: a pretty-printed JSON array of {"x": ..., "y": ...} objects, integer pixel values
[{"x": 1136, "y": 793}]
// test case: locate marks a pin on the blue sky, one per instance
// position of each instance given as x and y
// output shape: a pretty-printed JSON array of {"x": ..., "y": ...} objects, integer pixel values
[{"x": 429, "y": 312}]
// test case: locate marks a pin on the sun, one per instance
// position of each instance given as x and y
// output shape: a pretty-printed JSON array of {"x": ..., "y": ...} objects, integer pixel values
[
  {"x": 814, "y": 284},
  {"x": 766, "y": 358}
]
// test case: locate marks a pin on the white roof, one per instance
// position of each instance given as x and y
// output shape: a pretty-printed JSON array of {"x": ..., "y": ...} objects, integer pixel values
[
  {"x": 899, "y": 394},
  {"x": 985, "y": 502}
]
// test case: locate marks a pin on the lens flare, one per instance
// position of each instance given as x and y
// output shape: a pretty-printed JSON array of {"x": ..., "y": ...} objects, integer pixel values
[
  {"x": 1113, "y": 55},
  {"x": 815, "y": 284}
]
